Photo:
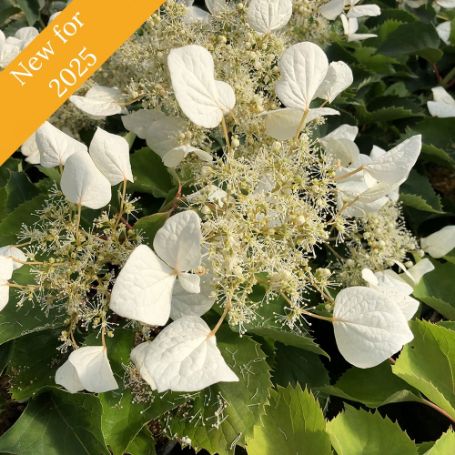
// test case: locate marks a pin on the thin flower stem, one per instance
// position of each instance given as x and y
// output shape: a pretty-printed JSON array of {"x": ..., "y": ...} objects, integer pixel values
[
  {"x": 302, "y": 123},
  {"x": 78, "y": 222},
  {"x": 449, "y": 76},
  {"x": 349, "y": 174},
  {"x": 438, "y": 409},
  {"x": 122, "y": 203},
  {"x": 225, "y": 132},
  {"x": 20, "y": 245},
  {"x": 316, "y": 316},
  {"x": 227, "y": 308},
  {"x": 21, "y": 286}
]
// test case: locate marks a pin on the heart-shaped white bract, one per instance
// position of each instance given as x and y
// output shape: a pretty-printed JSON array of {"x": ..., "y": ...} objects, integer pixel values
[
  {"x": 160, "y": 131},
  {"x": 12, "y": 46},
  {"x": 267, "y": 16},
  {"x": 111, "y": 155},
  {"x": 183, "y": 358},
  {"x": 100, "y": 102},
  {"x": 344, "y": 131},
  {"x": 340, "y": 146},
  {"x": 6, "y": 272},
  {"x": 303, "y": 68},
  {"x": 176, "y": 155},
  {"x": 332, "y": 9},
  {"x": 368, "y": 326},
  {"x": 216, "y": 6},
  {"x": 144, "y": 287},
  {"x": 18, "y": 257},
  {"x": 444, "y": 30},
  {"x": 202, "y": 98},
  {"x": 55, "y": 146},
  {"x": 394, "y": 166},
  {"x": 350, "y": 27},
  {"x": 443, "y": 105},
  {"x": 83, "y": 184},
  {"x": 440, "y": 243},
  {"x": 393, "y": 287},
  {"x": 414, "y": 274},
  {"x": 185, "y": 303},
  {"x": 358, "y": 11},
  {"x": 448, "y": 4},
  {"x": 339, "y": 77},
  {"x": 30, "y": 150},
  {"x": 87, "y": 368}
]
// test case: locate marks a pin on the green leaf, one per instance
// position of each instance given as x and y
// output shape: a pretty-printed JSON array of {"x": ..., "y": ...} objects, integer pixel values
[
  {"x": 223, "y": 415},
  {"x": 149, "y": 225},
  {"x": 296, "y": 366},
  {"x": 32, "y": 364},
  {"x": 418, "y": 193},
  {"x": 402, "y": 41},
  {"x": 294, "y": 424},
  {"x": 142, "y": 444},
  {"x": 384, "y": 114},
  {"x": 11, "y": 224},
  {"x": 444, "y": 445},
  {"x": 57, "y": 423},
  {"x": 372, "y": 387},
  {"x": 438, "y": 132},
  {"x": 31, "y": 9},
  {"x": 437, "y": 289},
  {"x": 150, "y": 174},
  {"x": 428, "y": 364},
  {"x": 358, "y": 432}
]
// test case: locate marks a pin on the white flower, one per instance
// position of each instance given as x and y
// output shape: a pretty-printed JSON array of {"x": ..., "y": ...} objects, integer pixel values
[
  {"x": 440, "y": 243},
  {"x": 339, "y": 145},
  {"x": 6, "y": 272},
  {"x": 17, "y": 256},
  {"x": 144, "y": 287},
  {"x": 160, "y": 131},
  {"x": 100, "y": 102},
  {"x": 334, "y": 8},
  {"x": 210, "y": 193},
  {"x": 444, "y": 30},
  {"x": 111, "y": 155},
  {"x": 176, "y": 155},
  {"x": 30, "y": 150},
  {"x": 202, "y": 98},
  {"x": 12, "y": 46},
  {"x": 350, "y": 27},
  {"x": 182, "y": 358},
  {"x": 393, "y": 287},
  {"x": 87, "y": 368},
  {"x": 414, "y": 274},
  {"x": 267, "y": 16},
  {"x": 443, "y": 105},
  {"x": 305, "y": 76},
  {"x": 83, "y": 184},
  {"x": 368, "y": 326},
  {"x": 55, "y": 146}
]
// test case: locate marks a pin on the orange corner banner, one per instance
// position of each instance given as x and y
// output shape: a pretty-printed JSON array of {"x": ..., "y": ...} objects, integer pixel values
[{"x": 60, "y": 59}]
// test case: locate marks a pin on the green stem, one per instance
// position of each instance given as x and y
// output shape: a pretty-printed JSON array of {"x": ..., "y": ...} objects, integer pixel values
[{"x": 448, "y": 78}]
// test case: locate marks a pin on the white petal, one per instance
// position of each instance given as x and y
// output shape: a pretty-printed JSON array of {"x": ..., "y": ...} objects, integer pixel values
[
  {"x": 160, "y": 131},
  {"x": 319, "y": 112},
  {"x": 369, "y": 276},
  {"x": 395, "y": 165},
  {"x": 190, "y": 282},
  {"x": 184, "y": 358},
  {"x": 178, "y": 242},
  {"x": 339, "y": 77},
  {"x": 13, "y": 253},
  {"x": 6, "y": 268},
  {"x": 9, "y": 52},
  {"x": 26, "y": 35},
  {"x": 377, "y": 152},
  {"x": 2, "y": 40},
  {"x": 439, "y": 243},
  {"x": 67, "y": 377},
  {"x": 55, "y": 146},
  {"x": 266, "y": 16},
  {"x": 143, "y": 289},
  {"x": 4, "y": 294},
  {"x": 343, "y": 132},
  {"x": 138, "y": 355},
  {"x": 100, "y": 101},
  {"x": 441, "y": 110},
  {"x": 343, "y": 150},
  {"x": 203, "y": 99},
  {"x": 30, "y": 150},
  {"x": 187, "y": 304},
  {"x": 216, "y": 6},
  {"x": 282, "y": 124},
  {"x": 195, "y": 14},
  {"x": 303, "y": 68},
  {"x": 93, "y": 369},
  {"x": 441, "y": 95},
  {"x": 446, "y": 3},
  {"x": 175, "y": 156},
  {"x": 416, "y": 272},
  {"x": 369, "y": 328},
  {"x": 82, "y": 183},
  {"x": 444, "y": 30},
  {"x": 332, "y": 9},
  {"x": 364, "y": 10},
  {"x": 111, "y": 155}
]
